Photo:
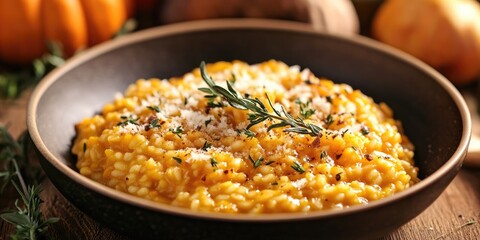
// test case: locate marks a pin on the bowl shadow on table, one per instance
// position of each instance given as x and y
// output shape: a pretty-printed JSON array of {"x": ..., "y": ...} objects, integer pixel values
[{"x": 429, "y": 115}]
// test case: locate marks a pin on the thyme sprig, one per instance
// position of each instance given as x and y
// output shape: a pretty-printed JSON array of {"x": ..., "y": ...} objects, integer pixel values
[
  {"x": 258, "y": 111},
  {"x": 305, "y": 111},
  {"x": 178, "y": 130},
  {"x": 255, "y": 163},
  {"x": 126, "y": 120},
  {"x": 17, "y": 170}
]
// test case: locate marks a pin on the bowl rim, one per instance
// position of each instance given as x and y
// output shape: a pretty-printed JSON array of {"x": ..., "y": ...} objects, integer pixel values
[{"x": 455, "y": 160}]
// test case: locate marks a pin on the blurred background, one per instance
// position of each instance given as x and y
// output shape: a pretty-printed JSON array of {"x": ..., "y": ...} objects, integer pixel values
[{"x": 38, "y": 35}]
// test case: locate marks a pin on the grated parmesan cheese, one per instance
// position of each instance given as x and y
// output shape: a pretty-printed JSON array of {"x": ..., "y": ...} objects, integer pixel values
[{"x": 164, "y": 140}]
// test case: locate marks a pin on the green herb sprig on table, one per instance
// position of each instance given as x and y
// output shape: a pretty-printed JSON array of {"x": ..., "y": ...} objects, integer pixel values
[
  {"x": 17, "y": 170},
  {"x": 13, "y": 82},
  {"x": 258, "y": 111}
]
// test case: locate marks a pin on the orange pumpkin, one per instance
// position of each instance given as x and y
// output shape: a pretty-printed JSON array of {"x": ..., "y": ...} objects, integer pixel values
[
  {"x": 443, "y": 33},
  {"x": 27, "y": 25}
]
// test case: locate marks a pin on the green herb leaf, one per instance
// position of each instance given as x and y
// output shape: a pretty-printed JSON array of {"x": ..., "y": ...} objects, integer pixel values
[
  {"x": 208, "y": 122},
  {"x": 177, "y": 159},
  {"x": 258, "y": 111},
  {"x": 178, "y": 130},
  {"x": 234, "y": 79},
  {"x": 154, "y": 123},
  {"x": 154, "y": 108},
  {"x": 206, "y": 145},
  {"x": 249, "y": 133},
  {"x": 305, "y": 112},
  {"x": 255, "y": 163},
  {"x": 213, "y": 162},
  {"x": 126, "y": 120},
  {"x": 323, "y": 155},
  {"x": 364, "y": 130},
  {"x": 27, "y": 217},
  {"x": 329, "y": 120},
  {"x": 297, "y": 167}
]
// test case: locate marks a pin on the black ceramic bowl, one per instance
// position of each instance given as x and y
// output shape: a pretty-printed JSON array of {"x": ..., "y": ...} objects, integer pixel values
[{"x": 433, "y": 113}]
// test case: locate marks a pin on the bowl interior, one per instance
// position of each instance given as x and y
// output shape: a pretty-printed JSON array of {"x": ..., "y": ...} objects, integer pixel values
[{"x": 429, "y": 115}]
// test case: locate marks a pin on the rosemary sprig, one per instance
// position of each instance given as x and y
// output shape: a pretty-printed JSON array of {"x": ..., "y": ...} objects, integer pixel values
[
  {"x": 13, "y": 153},
  {"x": 249, "y": 133},
  {"x": 27, "y": 217},
  {"x": 258, "y": 111},
  {"x": 30, "y": 223}
]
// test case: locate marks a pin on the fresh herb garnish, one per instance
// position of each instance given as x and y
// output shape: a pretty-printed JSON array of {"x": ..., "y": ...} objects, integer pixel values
[
  {"x": 329, "y": 120},
  {"x": 323, "y": 155},
  {"x": 212, "y": 103},
  {"x": 364, "y": 130},
  {"x": 305, "y": 111},
  {"x": 206, "y": 145},
  {"x": 249, "y": 133},
  {"x": 126, "y": 120},
  {"x": 354, "y": 148},
  {"x": 154, "y": 123},
  {"x": 329, "y": 99},
  {"x": 297, "y": 167},
  {"x": 208, "y": 122},
  {"x": 257, "y": 162},
  {"x": 258, "y": 111},
  {"x": 234, "y": 79},
  {"x": 178, "y": 130},
  {"x": 154, "y": 108},
  {"x": 177, "y": 159},
  {"x": 213, "y": 162}
]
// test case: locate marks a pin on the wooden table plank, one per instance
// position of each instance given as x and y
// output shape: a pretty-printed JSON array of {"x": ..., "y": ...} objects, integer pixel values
[{"x": 454, "y": 215}]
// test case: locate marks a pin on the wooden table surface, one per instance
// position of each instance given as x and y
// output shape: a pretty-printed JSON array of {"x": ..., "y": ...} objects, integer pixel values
[{"x": 454, "y": 215}]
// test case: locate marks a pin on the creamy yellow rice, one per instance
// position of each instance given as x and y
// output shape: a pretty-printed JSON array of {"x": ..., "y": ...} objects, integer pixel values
[{"x": 165, "y": 141}]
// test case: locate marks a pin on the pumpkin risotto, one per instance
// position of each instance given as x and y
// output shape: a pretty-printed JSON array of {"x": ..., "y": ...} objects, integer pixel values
[{"x": 273, "y": 138}]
